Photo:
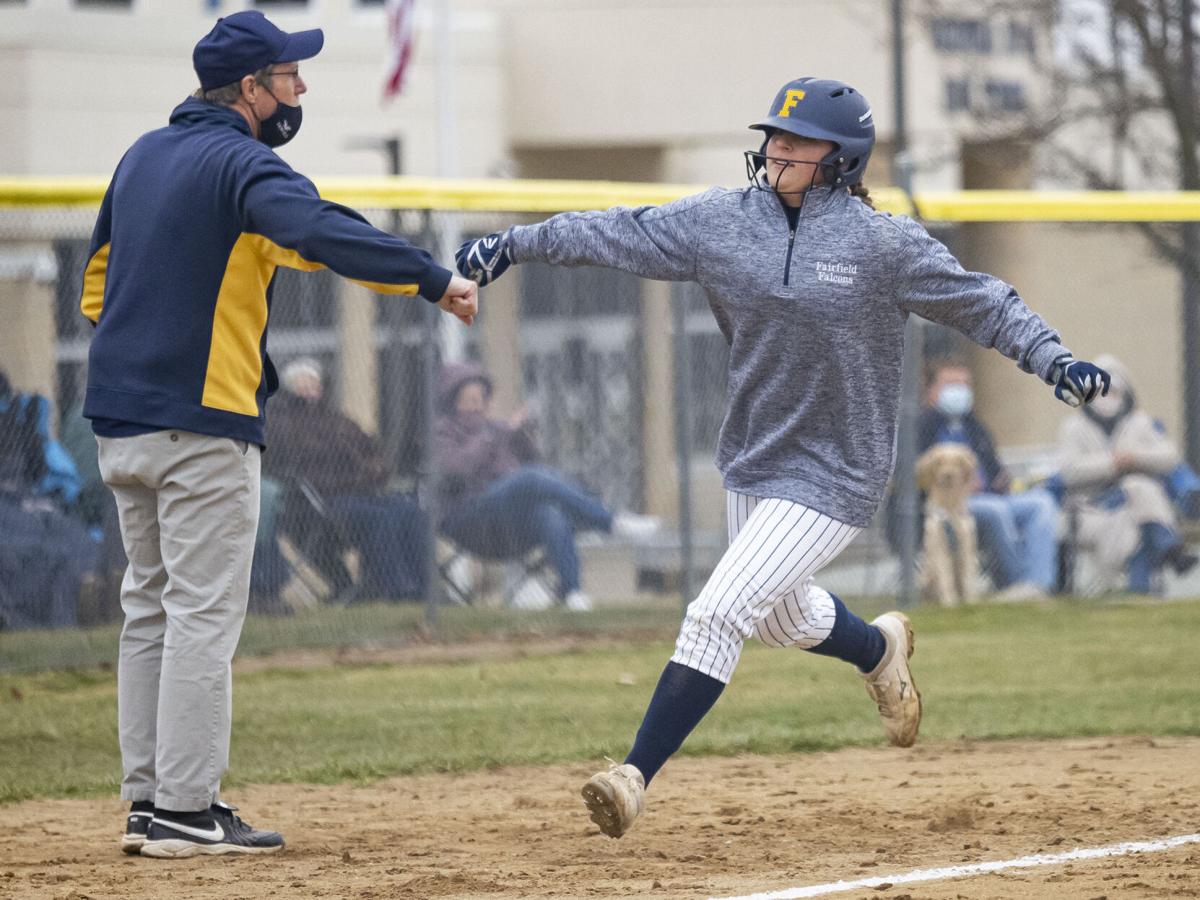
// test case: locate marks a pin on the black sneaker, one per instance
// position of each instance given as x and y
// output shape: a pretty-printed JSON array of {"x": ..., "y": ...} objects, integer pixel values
[
  {"x": 137, "y": 823},
  {"x": 216, "y": 830}
]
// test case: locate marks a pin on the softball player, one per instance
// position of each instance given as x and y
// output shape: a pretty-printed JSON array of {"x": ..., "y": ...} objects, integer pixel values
[{"x": 811, "y": 287}]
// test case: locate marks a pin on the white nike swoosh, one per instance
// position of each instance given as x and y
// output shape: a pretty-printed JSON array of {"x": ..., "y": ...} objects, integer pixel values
[{"x": 212, "y": 834}]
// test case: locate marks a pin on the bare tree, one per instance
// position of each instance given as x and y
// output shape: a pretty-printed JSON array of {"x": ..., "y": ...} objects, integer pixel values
[
  {"x": 1125, "y": 69},
  {"x": 1142, "y": 85}
]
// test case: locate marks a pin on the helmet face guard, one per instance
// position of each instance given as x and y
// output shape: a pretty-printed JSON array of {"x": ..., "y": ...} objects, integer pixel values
[
  {"x": 756, "y": 170},
  {"x": 825, "y": 110}
]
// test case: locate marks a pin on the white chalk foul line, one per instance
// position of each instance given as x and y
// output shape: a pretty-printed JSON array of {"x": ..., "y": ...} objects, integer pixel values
[{"x": 999, "y": 865}]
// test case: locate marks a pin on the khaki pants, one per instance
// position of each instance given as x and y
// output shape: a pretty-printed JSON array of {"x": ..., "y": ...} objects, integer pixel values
[{"x": 188, "y": 506}]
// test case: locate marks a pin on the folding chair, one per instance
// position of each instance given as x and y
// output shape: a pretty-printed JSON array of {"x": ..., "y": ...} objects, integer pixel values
[
  {"x": 319, "y": 544},
  {"x": 532, "y": 566}
]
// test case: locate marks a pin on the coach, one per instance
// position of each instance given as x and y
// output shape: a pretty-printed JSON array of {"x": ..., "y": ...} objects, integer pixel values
[{"x": 178, "y": 283}]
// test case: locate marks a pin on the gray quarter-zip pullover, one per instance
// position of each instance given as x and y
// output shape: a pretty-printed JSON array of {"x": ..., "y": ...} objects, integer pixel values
[{"x": 815, "y": 324}]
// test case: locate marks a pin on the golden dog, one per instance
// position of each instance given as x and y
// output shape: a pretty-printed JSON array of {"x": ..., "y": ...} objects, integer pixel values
[{"x": 950, "y": 572}]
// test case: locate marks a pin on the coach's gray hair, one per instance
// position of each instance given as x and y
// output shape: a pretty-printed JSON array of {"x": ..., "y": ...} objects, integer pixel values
[
  {"x": 297, "y": 370},
  {"x": 229, "y": 94}
]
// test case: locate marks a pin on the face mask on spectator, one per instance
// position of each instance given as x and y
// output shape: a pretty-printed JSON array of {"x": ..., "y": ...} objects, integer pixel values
[
  {"x": 955, "y": 399},
  {"x": 1109, "y": 406},
  {"x": 472, "y": 420}
]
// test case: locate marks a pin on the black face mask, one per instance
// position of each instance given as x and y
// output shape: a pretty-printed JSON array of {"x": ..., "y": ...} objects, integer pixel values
[{"x": 280, "y": 126}]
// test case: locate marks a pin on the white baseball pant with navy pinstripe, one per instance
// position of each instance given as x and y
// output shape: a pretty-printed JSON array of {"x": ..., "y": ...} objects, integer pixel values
[{"x": 763, "y": 585}]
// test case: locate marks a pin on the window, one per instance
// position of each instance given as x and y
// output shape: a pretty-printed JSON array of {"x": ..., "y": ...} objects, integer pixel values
[
  {"x": 1005, "y": 96},
  {"x": 961, "y": 35},
  {"x": 958, "y": 94},
  {"x": 1021, "y": 40}
]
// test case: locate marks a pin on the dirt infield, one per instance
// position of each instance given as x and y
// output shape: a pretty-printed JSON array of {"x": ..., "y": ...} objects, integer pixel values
[{"x": 714, "y": 827}]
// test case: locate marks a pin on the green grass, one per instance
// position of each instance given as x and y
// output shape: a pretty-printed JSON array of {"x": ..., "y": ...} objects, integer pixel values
[
  {"x": 368, "y": 625},
  {"x": 986, "y": 672}
]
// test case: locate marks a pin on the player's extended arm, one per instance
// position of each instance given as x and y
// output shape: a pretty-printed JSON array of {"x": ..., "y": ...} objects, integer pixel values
[
  {"x": 660, "y": 242},
  {"x": 933, "y": 284}
]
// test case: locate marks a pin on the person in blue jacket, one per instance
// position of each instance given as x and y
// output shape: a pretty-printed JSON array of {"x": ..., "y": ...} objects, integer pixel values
[{"x": 196, "y": 220}]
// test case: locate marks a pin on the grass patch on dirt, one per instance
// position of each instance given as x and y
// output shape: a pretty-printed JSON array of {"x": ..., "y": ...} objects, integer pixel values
[
  {"x": 987, "y": 672},
  {"x": 365, "y": 626}
]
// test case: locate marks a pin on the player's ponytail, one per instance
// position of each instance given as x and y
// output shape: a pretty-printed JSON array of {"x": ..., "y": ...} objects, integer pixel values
[{"x": 860, "y": 190}]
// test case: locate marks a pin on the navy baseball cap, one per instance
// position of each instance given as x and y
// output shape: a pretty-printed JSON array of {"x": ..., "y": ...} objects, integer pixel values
[{"x": 241, "y": 44}]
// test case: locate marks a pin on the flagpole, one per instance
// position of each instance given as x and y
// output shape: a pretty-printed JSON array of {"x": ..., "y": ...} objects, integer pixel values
[
  {"x": 453, "y": 337},
  {"x": 447, "y": 109}
]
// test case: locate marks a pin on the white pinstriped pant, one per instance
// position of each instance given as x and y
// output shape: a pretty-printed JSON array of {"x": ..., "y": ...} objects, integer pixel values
[{"x": 763, "y": 585}]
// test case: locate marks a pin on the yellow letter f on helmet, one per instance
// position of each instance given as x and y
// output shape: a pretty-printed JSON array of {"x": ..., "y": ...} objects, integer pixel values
[{"x": 793, "y": 97}]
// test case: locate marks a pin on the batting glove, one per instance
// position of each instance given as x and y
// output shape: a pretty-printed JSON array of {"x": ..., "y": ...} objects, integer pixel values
[
  {"x": 484, "y": 260},
  {"x": 1077, "y": 382}
]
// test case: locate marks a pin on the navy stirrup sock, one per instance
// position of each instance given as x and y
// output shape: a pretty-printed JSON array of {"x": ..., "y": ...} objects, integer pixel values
[
  {"x": 852, "y": 639},
  {"x": 683, "y": 697}
]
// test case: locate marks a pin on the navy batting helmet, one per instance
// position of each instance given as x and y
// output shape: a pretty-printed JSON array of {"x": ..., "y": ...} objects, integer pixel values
[{"x": 827, "y": 110}]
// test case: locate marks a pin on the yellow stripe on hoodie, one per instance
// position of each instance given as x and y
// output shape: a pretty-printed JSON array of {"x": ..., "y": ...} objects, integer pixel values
[
  {"x": 94, "y": 277},
  {"x": 234, "y": 360}
]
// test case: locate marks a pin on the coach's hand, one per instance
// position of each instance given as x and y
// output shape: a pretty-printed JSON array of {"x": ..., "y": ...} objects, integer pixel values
[
  {"x": 461, "y": 299},
  {"x": 1077, "y": 382},
  {"x": 484, "y": 260}
]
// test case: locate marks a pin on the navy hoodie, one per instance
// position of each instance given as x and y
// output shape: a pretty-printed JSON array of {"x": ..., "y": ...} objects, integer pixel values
[{"x": 196, "y": 220}]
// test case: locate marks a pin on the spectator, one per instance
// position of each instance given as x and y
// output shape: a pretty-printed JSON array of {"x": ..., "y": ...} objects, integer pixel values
[
  {"x": 316, "y": 444},
  {"x": 30, "y": 457},
  {"x": 1118, "y": 458},
  {"x": 1183, "y": 485},
  {"x": 1017, "y": 531},
  {"x": 45, "y": 554},
  {"x": 22, "y": 464},
  {"x": 94, "y": 499},
  {"x": 97, "y": 509},
  {"x": 496, "y": 502}
]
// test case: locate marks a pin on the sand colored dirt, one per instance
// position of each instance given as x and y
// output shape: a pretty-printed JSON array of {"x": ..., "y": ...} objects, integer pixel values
[{"x": 714, "y": 827}]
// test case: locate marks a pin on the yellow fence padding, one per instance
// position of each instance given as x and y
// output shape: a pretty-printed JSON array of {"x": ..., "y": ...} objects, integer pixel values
[{"x": 513, "y": 195}]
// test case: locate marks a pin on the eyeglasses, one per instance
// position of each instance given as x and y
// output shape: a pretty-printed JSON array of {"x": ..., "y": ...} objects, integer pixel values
[{"x": 295, "y": 73}]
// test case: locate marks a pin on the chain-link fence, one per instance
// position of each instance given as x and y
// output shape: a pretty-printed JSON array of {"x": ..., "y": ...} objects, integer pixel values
[{"x": 552, "y": 466}]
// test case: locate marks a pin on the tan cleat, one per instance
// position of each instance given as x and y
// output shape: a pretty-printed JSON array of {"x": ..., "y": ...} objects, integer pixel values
[
  {"x": 615, "y": 798},
  {"x": 891, "y": 683}
]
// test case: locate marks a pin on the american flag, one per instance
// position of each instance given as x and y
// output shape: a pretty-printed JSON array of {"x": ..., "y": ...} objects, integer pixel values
[{"x": 400, "y": 45}]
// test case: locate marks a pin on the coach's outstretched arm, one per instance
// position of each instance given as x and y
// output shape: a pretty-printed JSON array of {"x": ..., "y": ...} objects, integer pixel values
[
  {"x": 931, "y": 283},
  {"x": 291, "y": 225},
  {"x": 657, "y": 242}
]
